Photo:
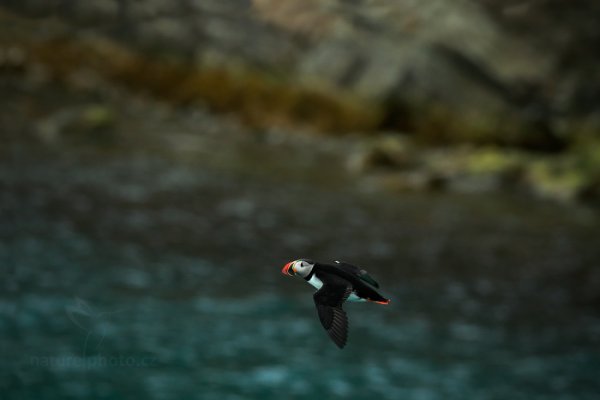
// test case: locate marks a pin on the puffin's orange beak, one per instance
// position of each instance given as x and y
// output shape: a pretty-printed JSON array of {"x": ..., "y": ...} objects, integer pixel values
[{"x": 286, "y": 269}]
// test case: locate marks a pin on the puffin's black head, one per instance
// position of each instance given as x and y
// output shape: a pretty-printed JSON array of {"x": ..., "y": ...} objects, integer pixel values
[{"x": 298, "y": 267}]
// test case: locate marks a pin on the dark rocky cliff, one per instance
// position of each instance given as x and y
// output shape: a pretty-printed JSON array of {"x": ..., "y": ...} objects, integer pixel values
[{"x": 520, "y": 74}]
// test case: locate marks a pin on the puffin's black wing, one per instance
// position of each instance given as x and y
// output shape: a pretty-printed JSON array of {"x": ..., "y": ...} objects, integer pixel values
[
  {"x": 358, "y": 272},
  {"x": 329, "y": 300}
]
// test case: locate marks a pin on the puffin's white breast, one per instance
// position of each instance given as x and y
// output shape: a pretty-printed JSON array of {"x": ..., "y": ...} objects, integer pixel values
[{"x": 317, "y": 284}]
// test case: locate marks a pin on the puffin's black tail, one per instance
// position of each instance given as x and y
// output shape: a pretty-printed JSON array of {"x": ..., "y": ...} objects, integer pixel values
[{"x": 371, "y": 294}]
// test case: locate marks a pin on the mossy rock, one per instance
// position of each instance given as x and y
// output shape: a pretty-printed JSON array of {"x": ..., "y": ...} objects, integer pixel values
[
  {"x": 97, "y": 117},
  {"x": 557, "y": 178},
  {"x": 493, "y": 160}
]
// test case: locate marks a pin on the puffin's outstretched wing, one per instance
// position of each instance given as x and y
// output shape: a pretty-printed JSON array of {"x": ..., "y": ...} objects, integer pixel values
[
  {"x": 358, "y": 272},
  {"x": 329, "y": 300}
]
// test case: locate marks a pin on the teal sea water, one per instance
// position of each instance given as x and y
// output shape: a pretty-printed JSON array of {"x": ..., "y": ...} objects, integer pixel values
[{"x": 138, "y": 277}]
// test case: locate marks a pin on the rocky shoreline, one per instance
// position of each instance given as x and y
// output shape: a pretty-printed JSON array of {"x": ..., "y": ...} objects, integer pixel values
[{"x": 415, "y": 110}]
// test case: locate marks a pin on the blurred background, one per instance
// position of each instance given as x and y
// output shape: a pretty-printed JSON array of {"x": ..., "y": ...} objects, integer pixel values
[{"x": 161, "y": 160}]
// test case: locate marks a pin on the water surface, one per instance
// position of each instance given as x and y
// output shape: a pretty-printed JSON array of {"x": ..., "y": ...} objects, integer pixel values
[{"x": 140, "y": 276}]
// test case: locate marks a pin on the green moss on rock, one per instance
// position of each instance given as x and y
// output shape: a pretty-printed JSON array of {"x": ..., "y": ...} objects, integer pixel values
[{"x": 556, "y": 178}]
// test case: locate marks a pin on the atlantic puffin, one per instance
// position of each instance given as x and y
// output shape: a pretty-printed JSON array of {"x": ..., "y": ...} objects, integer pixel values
[{"x": 335, "y": 284}]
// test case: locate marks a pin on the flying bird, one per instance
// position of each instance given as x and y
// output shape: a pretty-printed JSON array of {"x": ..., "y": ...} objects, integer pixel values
[{"x": 335, "y": 283}]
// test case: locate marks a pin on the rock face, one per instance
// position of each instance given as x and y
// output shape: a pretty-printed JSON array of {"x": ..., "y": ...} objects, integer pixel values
[
  {"x": 451, "y": 70},
  {"x": 509, "y": 73}
]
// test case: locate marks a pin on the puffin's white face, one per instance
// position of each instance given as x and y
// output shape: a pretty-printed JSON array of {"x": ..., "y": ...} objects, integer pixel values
[{"x": 299, "y": 267}]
